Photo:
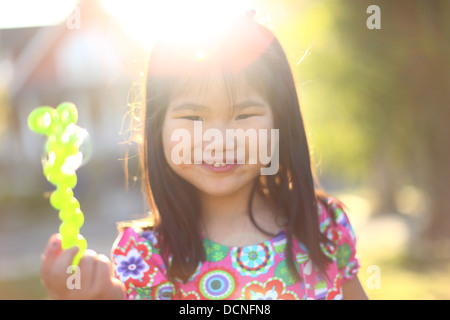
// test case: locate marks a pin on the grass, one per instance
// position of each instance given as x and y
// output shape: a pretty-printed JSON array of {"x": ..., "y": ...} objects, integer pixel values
[
  {"x": 383, "y": 244},
  {"x": 401, "y": 282},
  {"x": 29, "y": 288}
]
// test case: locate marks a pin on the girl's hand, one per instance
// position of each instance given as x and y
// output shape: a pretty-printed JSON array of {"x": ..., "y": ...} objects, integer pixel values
[{"x": 94, "y": 279}]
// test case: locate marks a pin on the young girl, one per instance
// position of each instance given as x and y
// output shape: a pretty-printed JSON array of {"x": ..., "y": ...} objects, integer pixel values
[{"x": 219, "y": 229}]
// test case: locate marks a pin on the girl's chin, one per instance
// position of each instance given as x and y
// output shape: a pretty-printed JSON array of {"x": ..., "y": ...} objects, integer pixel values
[
  {"x": 212, "y": 188},
  {"x": 222, "y": 187}
]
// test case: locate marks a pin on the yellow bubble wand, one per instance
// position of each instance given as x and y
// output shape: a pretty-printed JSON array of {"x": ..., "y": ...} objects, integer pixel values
[{"x": 62, "y": 159}]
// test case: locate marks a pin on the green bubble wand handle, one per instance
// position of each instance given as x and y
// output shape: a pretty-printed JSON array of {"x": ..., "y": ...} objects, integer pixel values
[{"x": 63, "y": 158}]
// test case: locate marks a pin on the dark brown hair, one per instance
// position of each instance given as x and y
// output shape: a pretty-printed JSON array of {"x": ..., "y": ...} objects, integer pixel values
[{"x": 247, "y": 51}]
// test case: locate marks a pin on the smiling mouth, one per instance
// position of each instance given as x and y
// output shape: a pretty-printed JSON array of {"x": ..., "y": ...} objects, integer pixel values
[
  {"x": 219, "y": 164},
  {"x": 220, "y": 167}
]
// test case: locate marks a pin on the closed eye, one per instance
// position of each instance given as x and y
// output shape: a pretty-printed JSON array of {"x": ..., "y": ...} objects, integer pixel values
[
  {"x": 192, "y": 118},
  {"x": 245, "y": 116}
]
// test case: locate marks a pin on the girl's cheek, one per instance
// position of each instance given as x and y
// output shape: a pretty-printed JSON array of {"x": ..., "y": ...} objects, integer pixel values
[
  {"x": 177, "y": 143},
  {"x": 181, "y": 144},
  {"x": 258, "y": 146}
]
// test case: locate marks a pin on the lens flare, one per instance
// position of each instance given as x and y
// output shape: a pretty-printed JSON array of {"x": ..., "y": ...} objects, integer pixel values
[{"x": 148, "y": 21}]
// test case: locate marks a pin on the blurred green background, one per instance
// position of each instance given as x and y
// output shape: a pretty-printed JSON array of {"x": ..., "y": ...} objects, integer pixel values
[{"x": 375, "y": 103}]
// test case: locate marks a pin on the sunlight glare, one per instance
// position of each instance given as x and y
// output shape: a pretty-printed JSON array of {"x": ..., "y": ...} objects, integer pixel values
[
  {"x": 200, "y": 54},
  {"x": 31, "y": 13},
  {"x": 147, "y": 21}
]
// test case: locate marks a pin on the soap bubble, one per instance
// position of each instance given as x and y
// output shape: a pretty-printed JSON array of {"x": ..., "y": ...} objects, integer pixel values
[
  {"x": 82, "y": 245},
  {"x": 43, "y": 120},
  {"x": 68, "y": 151},
  {"x": 67, "y": 112},
  {"x": 85, "y": 146},
  {"x": 61, "y": 195},
  {"x": 68, "y": 147}
]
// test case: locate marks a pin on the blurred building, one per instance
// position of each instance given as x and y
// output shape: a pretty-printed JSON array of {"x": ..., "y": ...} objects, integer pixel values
[
  {"x": 84, "y": 59},
  {"x": 80, "y": 60}
]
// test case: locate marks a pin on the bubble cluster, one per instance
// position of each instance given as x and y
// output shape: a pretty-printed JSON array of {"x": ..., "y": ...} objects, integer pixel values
[{"x": 62, "y": 157}]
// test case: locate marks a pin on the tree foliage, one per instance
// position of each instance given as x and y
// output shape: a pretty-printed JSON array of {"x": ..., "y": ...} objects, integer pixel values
[{"x": 376, "y": 101}]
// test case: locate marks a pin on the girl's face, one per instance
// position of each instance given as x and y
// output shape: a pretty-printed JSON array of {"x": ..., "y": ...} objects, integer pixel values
[{"x": 204, "y": 108}]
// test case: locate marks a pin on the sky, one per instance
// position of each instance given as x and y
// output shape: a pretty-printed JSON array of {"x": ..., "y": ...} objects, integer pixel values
[{"x": 32, "y": 13}]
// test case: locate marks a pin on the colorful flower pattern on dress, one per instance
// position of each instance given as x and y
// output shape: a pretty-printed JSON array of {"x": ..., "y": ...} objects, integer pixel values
[
  {"x": 272, "y": 289},
  {"x": 131, "y": 263},
  {"x": 253, "y": 260},
  {"x": 257, "y": 271},
  {"x": 282, "y": 271},
  {"x": 191, "y": 295},
  {"x": 335, "y": 293},
  {"x": 214, "y": 252},
  {"x": 164, "y": 291},
  {"x": 217, "y": 284}
]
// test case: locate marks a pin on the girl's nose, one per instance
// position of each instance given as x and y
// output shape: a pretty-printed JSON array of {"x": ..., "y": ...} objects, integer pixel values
[{"x": 215, "y": 138}]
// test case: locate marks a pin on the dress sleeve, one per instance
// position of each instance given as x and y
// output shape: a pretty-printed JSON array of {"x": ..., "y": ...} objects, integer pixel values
[
  {"x": 138, "y": 264},
  {"x": 337, "y": 227}
]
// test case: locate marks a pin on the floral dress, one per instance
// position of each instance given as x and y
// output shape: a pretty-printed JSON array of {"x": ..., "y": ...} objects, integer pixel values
[{"x": 250, "y": 272}]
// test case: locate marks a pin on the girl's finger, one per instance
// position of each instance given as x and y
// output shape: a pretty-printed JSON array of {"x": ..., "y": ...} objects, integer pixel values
[
  {"x": 53, "y": 243},
  {"x": 51, "y": 252},
  {"x": 58, "y": 274},
  {"x": 87, "y": 269},
  {"x": 106, "y": 261},
  {"x": 102, "y": 277}
]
